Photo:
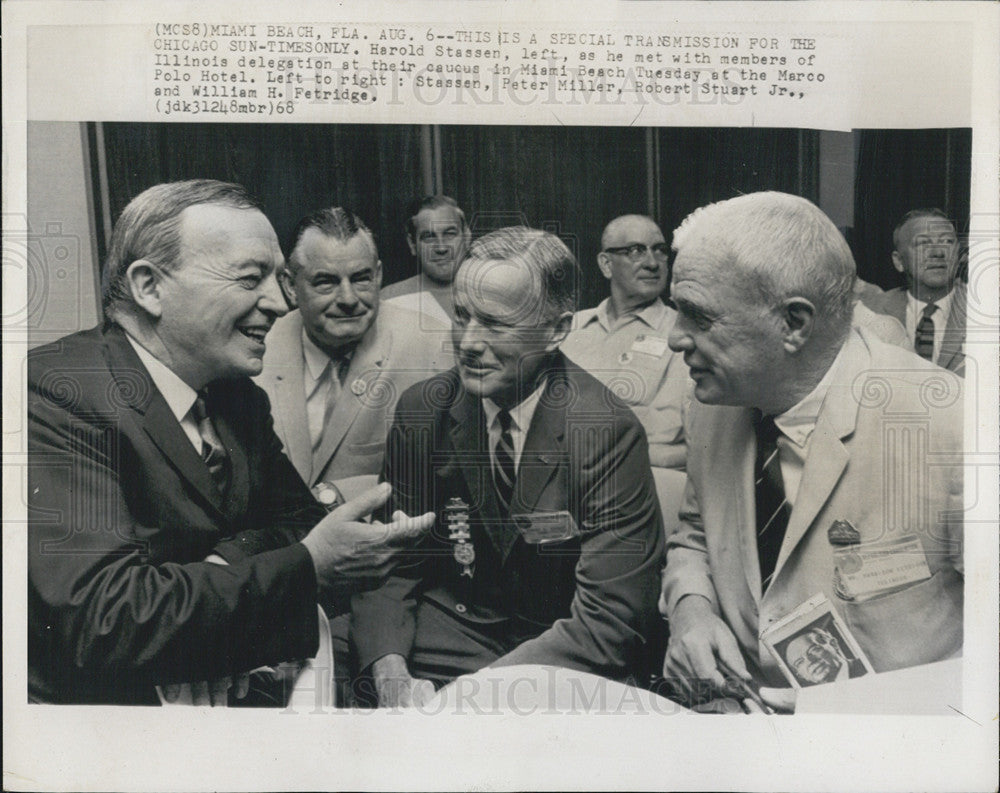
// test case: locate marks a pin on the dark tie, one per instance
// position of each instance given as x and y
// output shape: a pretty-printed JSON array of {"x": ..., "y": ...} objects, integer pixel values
[
  {"x": 923, "y": 341},
  {"x": 212, "y": 450},
  {"x": 769, "y": 493},
  {"x": 503, "y": 459}
]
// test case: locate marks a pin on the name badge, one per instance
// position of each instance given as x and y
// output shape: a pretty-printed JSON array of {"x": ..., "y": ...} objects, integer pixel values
[
  {"x": 650, "y": 345},
  {"x": 876, "y": 568},
  {"x": 541, "y": 527}
]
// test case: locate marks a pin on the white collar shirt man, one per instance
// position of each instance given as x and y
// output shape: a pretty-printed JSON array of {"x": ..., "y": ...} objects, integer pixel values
[
  {"x": 520, "y": 415},
  {"x": 796, "y": 424},
  {"x": 914, "y": 313},
  {"x": 318, "y": 380},
  {"x": 179, "y": 396}
]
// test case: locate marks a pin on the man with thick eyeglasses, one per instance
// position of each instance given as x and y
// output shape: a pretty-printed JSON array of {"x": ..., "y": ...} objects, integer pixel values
[{"x": 623, "y": 341}]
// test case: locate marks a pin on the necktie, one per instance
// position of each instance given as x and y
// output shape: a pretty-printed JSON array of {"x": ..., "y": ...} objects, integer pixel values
[
  {"x": 333, "y": 373},
  {"x": 769, "y": 493},
  {"x": 503, "y": 459},
  {"x": 923, "y": 341},
  {"x": 212, "y": 451}
]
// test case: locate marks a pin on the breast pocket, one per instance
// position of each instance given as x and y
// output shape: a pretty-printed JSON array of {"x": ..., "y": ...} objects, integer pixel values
[{"x": 917, "y": 625}]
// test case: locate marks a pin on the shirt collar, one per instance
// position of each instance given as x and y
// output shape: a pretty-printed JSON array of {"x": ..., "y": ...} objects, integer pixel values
[
  {"x": 651, "y": 315},
  {"x": 917, "y": 305},
  {"x": 521, "y": 414},
  {"x": 315, "y": 359},
  {"x": 798, "y": 422},
  {"x": 178, "y": 395}
]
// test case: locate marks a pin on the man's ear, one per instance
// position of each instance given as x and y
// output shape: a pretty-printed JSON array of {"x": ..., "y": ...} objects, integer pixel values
[
  {"x": 604, "y": 263},
  {"x": 287, "y": 284},
  {"x": 145, "y": 283},
  {"x": 798, "y": 317},
  {"x": 412, "y": 243},
  {"x": 378, "y": 274},
  {"x": 897, "y": 261},
  {"x": 560, "y": 330}
]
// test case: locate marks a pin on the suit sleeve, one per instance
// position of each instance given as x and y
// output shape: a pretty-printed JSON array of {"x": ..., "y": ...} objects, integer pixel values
[
  {"x": 383, "y": 620},
  {"x": 99, "y": 610},
  {"x": 621, "y": 555},
  {"x": 687, "y": 571}
]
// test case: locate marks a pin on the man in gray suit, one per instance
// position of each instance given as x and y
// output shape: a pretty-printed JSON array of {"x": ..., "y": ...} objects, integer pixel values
[
  {"x": 334, "y": 368},
  {"x": 932, "y": 304}
]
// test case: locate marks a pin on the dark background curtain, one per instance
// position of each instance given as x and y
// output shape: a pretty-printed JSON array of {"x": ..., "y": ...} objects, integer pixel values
[
  {"x": 900, "y": 170},
  {"x": 569, "y": 180}
]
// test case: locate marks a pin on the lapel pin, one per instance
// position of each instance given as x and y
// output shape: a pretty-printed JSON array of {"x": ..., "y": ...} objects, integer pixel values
[{"x": 358, "y": 387}]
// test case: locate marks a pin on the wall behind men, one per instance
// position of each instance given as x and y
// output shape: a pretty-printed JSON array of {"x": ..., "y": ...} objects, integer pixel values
[{"x": 570, "y": 180}]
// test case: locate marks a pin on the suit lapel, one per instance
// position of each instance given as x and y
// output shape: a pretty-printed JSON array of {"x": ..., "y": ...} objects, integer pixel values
[
  {"x": 157, "y": 420},
  {"x": 952, "y": 353},
  {"x": 468, "y": 439},
  {"x": 365, "y": 367},
  {"x": 283, "y": 380},
  {"x": 827, "y": 456},
  {"x": 238, "y": 496},
  {"x": 735, "y": 464}
]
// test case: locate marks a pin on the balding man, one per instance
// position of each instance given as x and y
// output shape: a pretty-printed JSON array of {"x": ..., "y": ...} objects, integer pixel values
[
  {"x": 152, "y": 464},
  {"x": 623, "y": 341},
  {"x": 803, "y": 456}
]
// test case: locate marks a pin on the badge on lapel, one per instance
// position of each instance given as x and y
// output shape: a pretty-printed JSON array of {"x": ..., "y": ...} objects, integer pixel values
[{"x": 456, "y": 517}]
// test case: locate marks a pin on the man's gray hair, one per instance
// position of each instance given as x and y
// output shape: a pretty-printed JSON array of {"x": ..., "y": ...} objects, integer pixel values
[
  {"x": 149, "y": 228},
  {"x": 926, "y": 212},
  {"x": 336, "y": 222},
  {"x": 784, "y": 244},
  {"x": 544, "y": 255}
]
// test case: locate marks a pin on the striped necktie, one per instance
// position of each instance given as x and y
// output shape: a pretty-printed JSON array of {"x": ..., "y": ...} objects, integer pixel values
[
  {"x": 503, "y": 462},
  {"x": 773, "y": 508},
  {"x": 213, "y": 453},
  {"x": 923, "y": 341}
]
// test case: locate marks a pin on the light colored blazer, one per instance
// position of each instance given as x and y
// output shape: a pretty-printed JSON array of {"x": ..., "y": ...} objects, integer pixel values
[
  {"x": 885, "y": 455},
  {"x": 401, "y": 348},
  {"x": 952, "y": 354}
]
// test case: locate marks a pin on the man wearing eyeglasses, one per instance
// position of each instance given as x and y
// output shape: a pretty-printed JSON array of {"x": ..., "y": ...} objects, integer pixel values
[{"x": 623, "y": 341}]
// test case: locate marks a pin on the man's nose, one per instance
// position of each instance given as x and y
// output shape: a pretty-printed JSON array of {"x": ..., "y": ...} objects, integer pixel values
[
  {"x": 679, "y": 340},
  {"x": 271, "y": 300},
  {"x": 346, "y": 296},
  {"x": 471, "y": 337}
]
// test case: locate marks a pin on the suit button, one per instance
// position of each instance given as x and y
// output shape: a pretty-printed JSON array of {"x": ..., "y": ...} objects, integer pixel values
[{"x": 460, "y": 608}]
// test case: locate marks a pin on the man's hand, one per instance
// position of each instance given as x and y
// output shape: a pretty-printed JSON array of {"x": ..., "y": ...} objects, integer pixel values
[
  {"x": 214, "y": 693},
  {"x": 699, "y": 639},
  {"x": 782, "y": 700},
  {"x": 351, "y": 555},
  {"x": 395, "y": 687}
]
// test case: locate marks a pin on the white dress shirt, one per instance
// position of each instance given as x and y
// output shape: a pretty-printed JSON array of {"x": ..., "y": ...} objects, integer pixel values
[
  {"x": 914, "y": 312},
  {"x": 179, "y": 396},
  {"x": 520, "y": 415},
  {"x": 796, "y": 426},
  {"x": 317, "y": 381}
]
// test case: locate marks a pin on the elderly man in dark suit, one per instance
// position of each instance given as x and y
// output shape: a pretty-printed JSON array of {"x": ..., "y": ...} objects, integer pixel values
[
  {"x": 547, "y": 547},
  {"x": 170, "y": 540}
]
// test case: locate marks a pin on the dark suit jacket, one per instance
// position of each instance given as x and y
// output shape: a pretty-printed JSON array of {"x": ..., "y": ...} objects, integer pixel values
[
  {"x": 952, "y": 354},
  {"x": 122, "y": 510},
  {"x": 586, "y": 603}
]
